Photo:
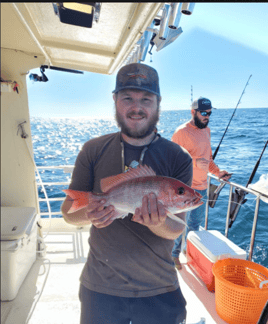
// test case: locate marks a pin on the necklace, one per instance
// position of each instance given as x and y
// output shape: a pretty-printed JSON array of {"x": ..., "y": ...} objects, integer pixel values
[{"x": 142, "y": 152}]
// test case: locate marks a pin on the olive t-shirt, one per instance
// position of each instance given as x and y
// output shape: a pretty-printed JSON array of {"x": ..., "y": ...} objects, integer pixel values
[{"x": 125, "y": 258}]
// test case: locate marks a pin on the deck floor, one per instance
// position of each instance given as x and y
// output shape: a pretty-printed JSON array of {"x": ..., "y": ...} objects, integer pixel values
[{"x": 49, "y": 294}]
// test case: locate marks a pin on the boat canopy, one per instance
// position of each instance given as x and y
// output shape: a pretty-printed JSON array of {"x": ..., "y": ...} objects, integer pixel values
[{"x": 118, "y": 32}]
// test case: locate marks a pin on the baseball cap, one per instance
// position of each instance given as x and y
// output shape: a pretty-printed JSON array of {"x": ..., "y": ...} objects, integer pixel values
[
  {"x": 201, "y": 104},
  {"x": 137, "y": 76}
]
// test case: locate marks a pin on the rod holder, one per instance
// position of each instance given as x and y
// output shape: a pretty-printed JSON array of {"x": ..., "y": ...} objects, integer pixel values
[
  {"x": 163, "y": 30},
  {"x": 175, "y": 15},
  {"x": 187, "y": 8}
]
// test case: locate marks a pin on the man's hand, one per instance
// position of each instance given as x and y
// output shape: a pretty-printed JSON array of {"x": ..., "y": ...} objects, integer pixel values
[
  {"x": 224, "y": 175},
  {"x": 99, "y": 215},
  {"x": 95, "y": 213},
  {"x": 151, "y": 213}
]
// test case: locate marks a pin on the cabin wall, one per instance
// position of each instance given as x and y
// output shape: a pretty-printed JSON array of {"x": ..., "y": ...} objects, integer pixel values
[{"x": 18, "y": 186}]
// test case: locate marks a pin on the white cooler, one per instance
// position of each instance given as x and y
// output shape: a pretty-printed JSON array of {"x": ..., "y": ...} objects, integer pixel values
[
  {"x": 204, "y": 248},
  {"x": 18, "y": 247}
]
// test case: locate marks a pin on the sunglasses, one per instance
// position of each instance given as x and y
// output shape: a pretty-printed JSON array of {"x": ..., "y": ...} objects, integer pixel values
[{"x": 204, "y": 113}]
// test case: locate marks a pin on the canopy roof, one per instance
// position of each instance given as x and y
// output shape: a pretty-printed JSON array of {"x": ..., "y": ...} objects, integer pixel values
[{"x": 35, "y": 28}]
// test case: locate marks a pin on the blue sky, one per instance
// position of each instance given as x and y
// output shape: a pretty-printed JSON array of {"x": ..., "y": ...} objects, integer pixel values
[{"x": 222, "y": 44}]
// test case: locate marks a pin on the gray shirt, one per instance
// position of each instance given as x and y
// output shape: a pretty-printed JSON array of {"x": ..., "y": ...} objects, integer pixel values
[{"x": 125, "y": 258}]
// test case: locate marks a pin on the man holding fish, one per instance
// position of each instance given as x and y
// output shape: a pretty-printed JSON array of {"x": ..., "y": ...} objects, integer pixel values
[{"x": 133, "y": 187}]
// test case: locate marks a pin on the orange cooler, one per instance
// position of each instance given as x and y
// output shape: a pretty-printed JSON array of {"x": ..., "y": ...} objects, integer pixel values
[{"x": 204, "y": 248}]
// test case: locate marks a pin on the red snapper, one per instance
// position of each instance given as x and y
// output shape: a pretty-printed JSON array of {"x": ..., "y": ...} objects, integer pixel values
[{"x": 126, "y": 190}]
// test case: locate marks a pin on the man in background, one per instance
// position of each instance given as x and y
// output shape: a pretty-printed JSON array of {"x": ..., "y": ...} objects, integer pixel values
[
  {"x": 129, "y": 274},
  {"x": 194, "y": 136}
]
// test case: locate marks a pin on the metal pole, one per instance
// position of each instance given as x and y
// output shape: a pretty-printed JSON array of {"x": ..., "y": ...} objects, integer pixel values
[
  {"x": 228, "y": 211},
  {"x": 254, "y": 228},
  {"x": 207, "y": 204}
]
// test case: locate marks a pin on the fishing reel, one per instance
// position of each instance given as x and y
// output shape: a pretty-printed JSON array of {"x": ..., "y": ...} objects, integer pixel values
[
  {"x": 238, "y": 199},
  {"x": 241, "y": 193}
]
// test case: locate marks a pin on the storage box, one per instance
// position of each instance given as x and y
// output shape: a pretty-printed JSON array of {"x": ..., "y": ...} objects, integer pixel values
[
  {"x": 204, "y": 248},
  {"x": 18, "y": 248}
]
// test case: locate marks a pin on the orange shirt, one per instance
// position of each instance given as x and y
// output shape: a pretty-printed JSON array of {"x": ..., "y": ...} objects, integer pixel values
[{"x": 197, "y": 142}]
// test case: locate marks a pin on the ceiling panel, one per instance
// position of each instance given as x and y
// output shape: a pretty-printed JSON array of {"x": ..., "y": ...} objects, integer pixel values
[{"x": 35, "y": 28}]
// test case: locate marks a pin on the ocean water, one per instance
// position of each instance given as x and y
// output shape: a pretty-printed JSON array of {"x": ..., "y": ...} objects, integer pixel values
[{"x": 57, "y": 141}]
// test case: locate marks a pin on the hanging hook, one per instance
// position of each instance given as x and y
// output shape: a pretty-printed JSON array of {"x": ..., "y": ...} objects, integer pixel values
[{"x": 21, "y": 128}]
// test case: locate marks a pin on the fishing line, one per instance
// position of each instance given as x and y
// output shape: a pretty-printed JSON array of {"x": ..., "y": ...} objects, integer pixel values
[
  {"x": 217, "y": 149},
  {"x": 233, "y": 202}
]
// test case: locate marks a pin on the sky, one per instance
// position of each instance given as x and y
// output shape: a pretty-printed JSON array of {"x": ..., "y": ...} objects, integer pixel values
[{"x": 222, "y": 44}]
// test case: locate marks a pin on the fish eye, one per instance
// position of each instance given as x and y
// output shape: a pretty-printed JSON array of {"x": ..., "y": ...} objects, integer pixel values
[{"x": 181, "y": 191}]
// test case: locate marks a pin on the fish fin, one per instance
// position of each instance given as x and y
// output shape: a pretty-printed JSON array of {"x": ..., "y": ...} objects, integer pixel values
[
  {"x": 176, "y": 218},
  {"x": 141, "y": 171},
  {"x": 80, "y": 199}
]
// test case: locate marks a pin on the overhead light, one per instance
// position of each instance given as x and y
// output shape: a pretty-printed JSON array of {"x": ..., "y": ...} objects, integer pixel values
[
  {"x": 77, "y": 13},
  {"x": 79, "y": 6}
]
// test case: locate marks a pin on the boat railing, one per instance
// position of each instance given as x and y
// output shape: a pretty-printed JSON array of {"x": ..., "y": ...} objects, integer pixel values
[
  {"x": 234, "y": 186},
  {"x": 66, "y": 169}
]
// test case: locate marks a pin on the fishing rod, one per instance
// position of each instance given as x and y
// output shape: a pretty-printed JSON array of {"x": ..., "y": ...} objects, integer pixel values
[
  {"x": 238, "y": 198},
  {"x": 215, "y": 190},
  {"x": 217, "y": 149},
  {"x": 256, "y": 166}
]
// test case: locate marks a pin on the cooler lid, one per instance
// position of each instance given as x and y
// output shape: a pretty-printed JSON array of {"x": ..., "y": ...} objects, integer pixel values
[
  {"x": 10, "y": 246},
  {"x": 213, "y": 245},
  {"x": 16, "y": 222}
]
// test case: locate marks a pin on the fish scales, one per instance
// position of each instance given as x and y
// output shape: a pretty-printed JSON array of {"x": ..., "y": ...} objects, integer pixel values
[
  {"x": 128, "y": 196},
  {"x": 126, "y": 190}
]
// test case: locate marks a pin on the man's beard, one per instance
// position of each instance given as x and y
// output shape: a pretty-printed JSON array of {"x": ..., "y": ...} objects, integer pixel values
[
  {"x": 137, "y": 134},
  {"x": 198, "y": 122}
]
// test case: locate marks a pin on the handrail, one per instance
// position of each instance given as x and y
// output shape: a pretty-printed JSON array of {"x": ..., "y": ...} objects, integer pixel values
[
  {"x": 69, "y": 168},
  {"x": 55, "y": 166},
  {"x": 66, "y": 169},
  {"x": 53, "y": 183},
  {"x": 246, "y": 189}
]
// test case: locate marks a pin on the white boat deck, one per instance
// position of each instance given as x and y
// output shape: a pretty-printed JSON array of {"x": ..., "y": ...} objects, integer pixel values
[{"x": 49, "y": 294}]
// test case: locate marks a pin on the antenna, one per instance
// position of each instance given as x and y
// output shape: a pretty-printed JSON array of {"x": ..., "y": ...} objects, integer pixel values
[{"x": 191, "y": 94}]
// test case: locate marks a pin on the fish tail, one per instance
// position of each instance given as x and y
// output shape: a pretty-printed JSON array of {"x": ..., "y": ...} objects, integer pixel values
[{"x": 80, "y": 199}]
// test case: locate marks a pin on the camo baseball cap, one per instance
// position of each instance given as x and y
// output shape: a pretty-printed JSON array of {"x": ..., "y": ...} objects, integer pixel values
[{"x": 137, "y": 76}]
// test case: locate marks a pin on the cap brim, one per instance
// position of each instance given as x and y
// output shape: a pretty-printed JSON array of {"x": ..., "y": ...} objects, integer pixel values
[
  {"x": 137, "y": 88},
  {"x": 204, "y": 109}
]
